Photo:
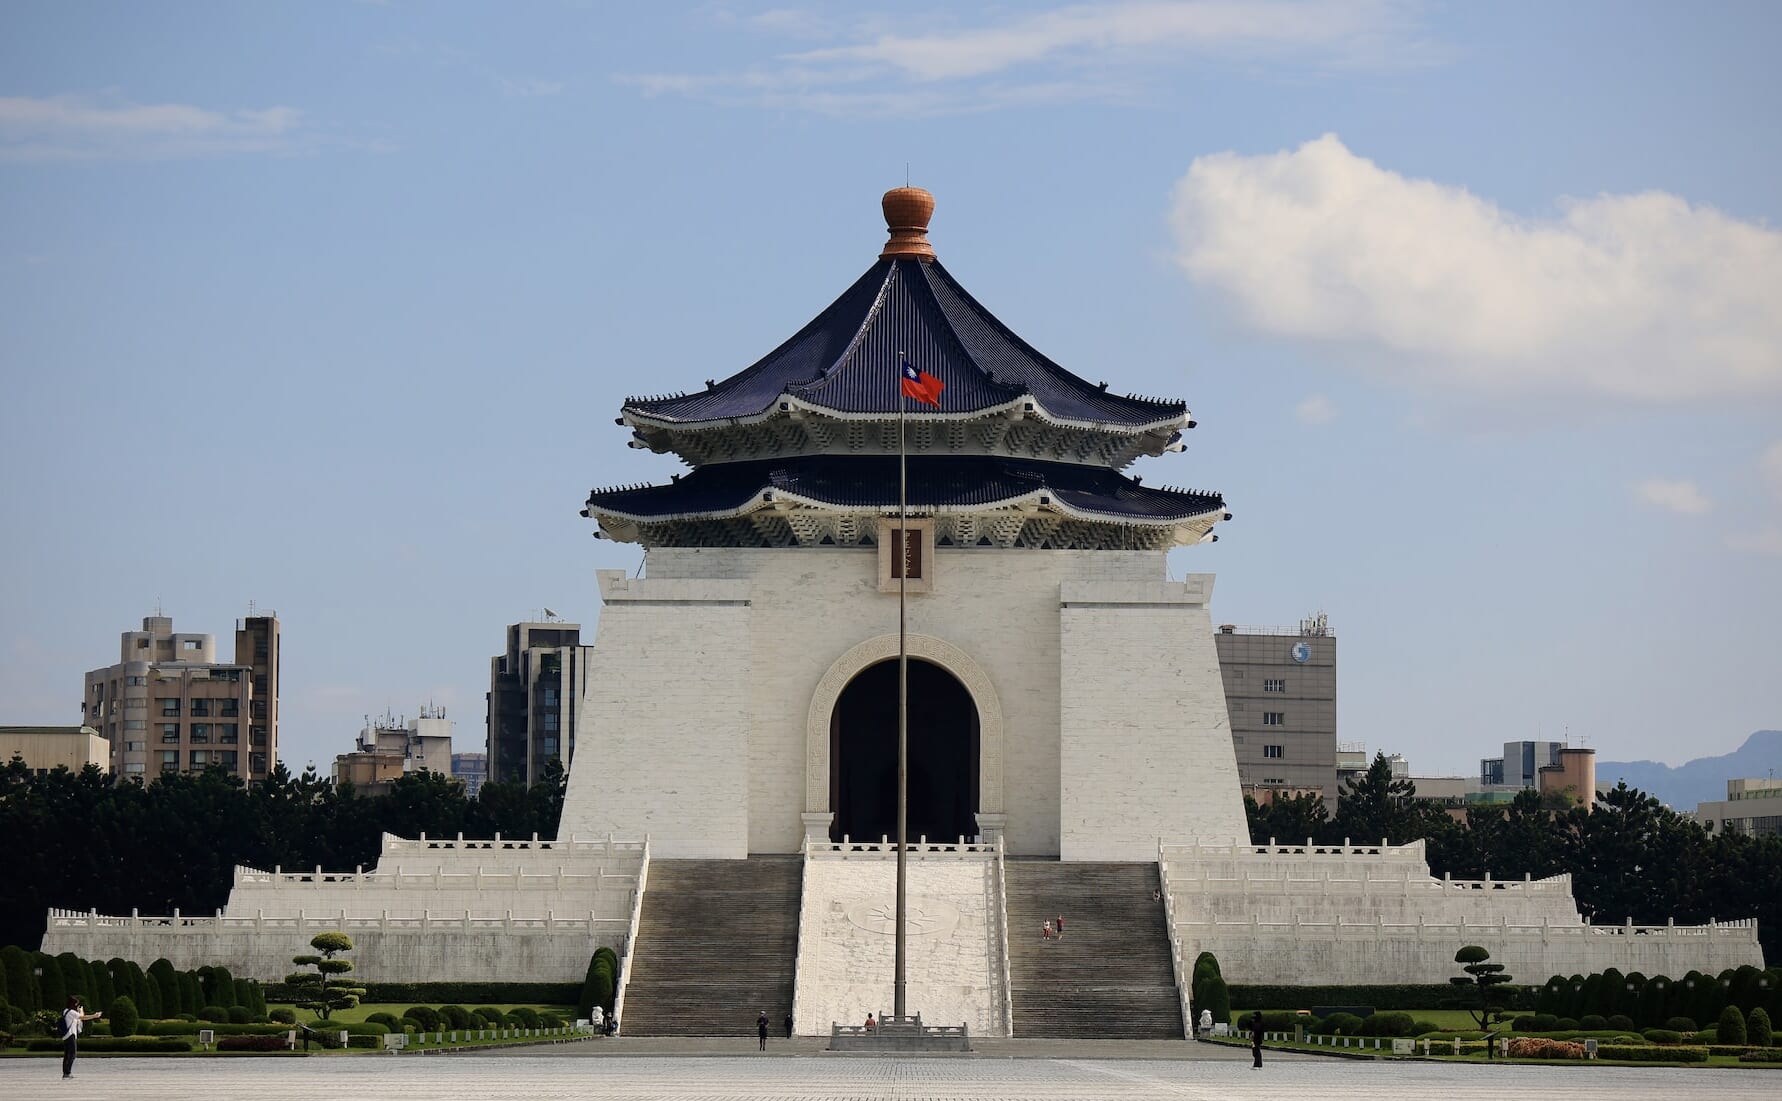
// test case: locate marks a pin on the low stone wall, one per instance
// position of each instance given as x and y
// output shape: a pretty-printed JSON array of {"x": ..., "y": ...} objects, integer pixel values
[
  {"x": 846, "y": 943},
  {"x": 433, "y": 910},
  {"x": 487, "y": 950},
  {"x": 1372, "y": 914}
]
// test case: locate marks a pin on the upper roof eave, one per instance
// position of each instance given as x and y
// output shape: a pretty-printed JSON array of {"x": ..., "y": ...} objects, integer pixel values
[{"x": 636, "y": 418}]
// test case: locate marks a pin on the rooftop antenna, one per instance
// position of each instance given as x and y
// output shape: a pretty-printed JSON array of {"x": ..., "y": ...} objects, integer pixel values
[{"x": 906, "y": 173}]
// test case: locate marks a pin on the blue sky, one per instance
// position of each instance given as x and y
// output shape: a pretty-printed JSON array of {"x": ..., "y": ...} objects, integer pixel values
[{"x": 330, "y": 307}]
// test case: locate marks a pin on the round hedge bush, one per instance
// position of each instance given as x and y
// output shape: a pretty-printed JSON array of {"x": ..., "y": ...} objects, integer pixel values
[
  {"x": 1758, "y": 1032},
  {"x": 1731, "y": 1029},
  {"x": 456, "y": 1016},
  {"x": 283, "y": 1015},
  {"x": 1593, "y": 1022},
  {"x": 388, "y": 1020},
  {"x": 1621, "y": 1022},
  {"x": 1680, "y": 1024},
  {"x": 426, "y": 1018}
]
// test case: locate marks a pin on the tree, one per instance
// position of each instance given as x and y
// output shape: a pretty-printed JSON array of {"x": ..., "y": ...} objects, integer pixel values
[
  {"x": 313, "y": 990},
  {"x": 1757, "y": 1028},
  {"x": 1731, "y": 1029},
  {"x": 1378, "y": 805},
  {"x": 1487, "y": 978},
  {"x": 21, "y": 984},
  {"x": 122, "y": 1016}
]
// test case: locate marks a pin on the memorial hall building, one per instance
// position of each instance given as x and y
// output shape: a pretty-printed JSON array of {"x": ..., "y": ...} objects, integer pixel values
[{"x": 730, "y": 806}]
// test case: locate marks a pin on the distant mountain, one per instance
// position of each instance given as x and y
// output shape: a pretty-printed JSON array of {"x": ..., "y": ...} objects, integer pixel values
[{"x": 1702, "y": 780}]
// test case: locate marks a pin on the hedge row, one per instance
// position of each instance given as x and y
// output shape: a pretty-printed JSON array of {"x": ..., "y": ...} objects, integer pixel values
[
  {"x": 442, "y": 993},
  {"x": 1390, "y": 996},
  {"x": 117, "y": 1043},
  {"x": 1652, "y": 1054}
]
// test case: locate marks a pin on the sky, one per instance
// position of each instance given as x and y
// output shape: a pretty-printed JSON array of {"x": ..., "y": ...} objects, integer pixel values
[{"x": 329, "y": 307}]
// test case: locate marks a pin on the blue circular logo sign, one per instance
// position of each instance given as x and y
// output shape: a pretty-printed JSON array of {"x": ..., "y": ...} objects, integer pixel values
[{"x": 1302, "y": 652}]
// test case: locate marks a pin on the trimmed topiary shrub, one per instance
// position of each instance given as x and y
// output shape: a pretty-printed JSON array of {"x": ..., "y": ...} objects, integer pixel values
[
  {"x": 548, "y": 1019},
  {"x": 122, "y": 1016},
  {"x": 1565, "y": 1024},
  {"x": 1757, "y": 1028},
  {"x": 525, "y": 1015},
  {"x": 1663, "y": 1036},
  {"x": 238, "y": 1015},
  {"x": 284, "y": 1015},
  {"x": 426, "y": 1018},
  {"x": 455, "y": 1016},
  {"x": 492, "y": 1017},
  {"x": 1388, "y": 1024},
  {"x": 213, "y": 1013},
  {"x": 1424, "y": 1028},
  {"x": 1524, "y": 1023},
  {"x": 1680, "y": 1024},
  {"x": 1731, "y": 1029},
  {"x": 1621, "y": 1022},
  {"x": 388, "y": 1020},
  {"x": 1593, "y": 1022},
  {"x": 1340, "y": 1024}
]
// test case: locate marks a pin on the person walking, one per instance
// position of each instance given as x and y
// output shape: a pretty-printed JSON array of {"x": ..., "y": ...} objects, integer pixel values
[
  {"x": 761, "y": 1029},
  {"x": 788, "y": 1026},
  {"x": 73, "y": 1019},
  {"x": 1059, "y": 925},
  {"x": 1046, "y": 930},
  {"x": 1256, "y": 1040}
]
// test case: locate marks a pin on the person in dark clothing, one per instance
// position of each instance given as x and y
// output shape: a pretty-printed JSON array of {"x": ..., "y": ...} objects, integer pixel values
[
  {"x": 788, "y": 1026},
  {"x": 72, "y": 1019},
  {"x": 1256, "y": 1040},
  {"x": 761, "y": 1028}
]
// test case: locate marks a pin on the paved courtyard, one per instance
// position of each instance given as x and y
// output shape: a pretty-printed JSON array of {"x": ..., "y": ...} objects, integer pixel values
[{"x": 544, "y": 1077}]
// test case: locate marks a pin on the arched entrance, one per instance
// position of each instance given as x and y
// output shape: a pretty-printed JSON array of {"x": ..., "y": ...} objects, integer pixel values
[{"x": 943, "y": 755}]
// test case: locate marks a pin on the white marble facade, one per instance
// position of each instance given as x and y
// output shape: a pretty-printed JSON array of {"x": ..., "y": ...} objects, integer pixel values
[{"x": 1102, "y": 721}]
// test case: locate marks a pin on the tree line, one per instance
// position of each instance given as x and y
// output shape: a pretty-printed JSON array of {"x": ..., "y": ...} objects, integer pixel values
[
  {"x": 91, "y": 841},
  {"x": 1629, "y": 857}
]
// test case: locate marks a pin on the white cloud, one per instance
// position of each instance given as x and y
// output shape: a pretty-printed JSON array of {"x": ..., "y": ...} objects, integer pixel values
[
  {"x": 1075, "y": 52},
  {"x": 74, "y": 127},
  {"x": 1316, "y": 409},
  {"x": 1633, "y": 297},
  {"x": 1678, "y": 495}
]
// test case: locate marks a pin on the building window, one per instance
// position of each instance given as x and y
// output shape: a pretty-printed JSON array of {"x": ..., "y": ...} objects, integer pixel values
[
  {"x": 170, "y": 760},
  {"x": 200, "y": 707},
  {"x": 200, "y": 758},
  {"x": 229, "y": 759},
  {"x": 135, "y": 724},
  {"x": 256, "y": 762},
  {"x": 257, "y": 709},
  {"x": 257, "y": 735},
  {"x": 190, "y": 644},
  {"x": 170, "y": 732},
  {"x": 1273, "y": 780},
  {"x": 1274, "y": 718},
  {"x": 133, "y": 747},
  {"x": 550, "y": 697},
  {"x": 135, "y": 680},
  {"x": 550, "y": 721},
  {"x": 135, "y": 768},
  {"x": 142, "y": 644},
  {"x": 200, "y": 733},
  {"x": 228, "y": 709},
  {"x": 1274, "y": 684},
  {"x": 1273, "y": 751},
  {"x": 229, "y": 733},
  {"x": 136, "y": 703},
  {"x": 169, "y": 706}
]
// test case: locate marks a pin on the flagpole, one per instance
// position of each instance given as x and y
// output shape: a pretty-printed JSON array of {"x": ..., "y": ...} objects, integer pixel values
[{"x": 903, "y": 687}]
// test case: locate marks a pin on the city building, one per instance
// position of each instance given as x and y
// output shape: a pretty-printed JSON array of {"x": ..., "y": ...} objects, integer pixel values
[
  {"x": 472, "y": 769},
  {"x": 169, "y": 704},
  {"x": 46, "y": 748},
  {"x": 1066, "y": 708},
  {"x": 1280, "y": 693},
  {"x": 389, "y": 749},
  {"x": 1752, "y": 807},
  {"x": 535, "y": 700},
  {"x": 1520, "y": 764}
]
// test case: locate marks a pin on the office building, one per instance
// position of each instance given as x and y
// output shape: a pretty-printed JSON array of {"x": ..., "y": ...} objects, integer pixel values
[
  {"x": 472, "y": 769},
  {"x": 1280, "y": 693},
  {"x": 535, "y": 695},
  {"x": 1751, "y": 807},
  {"x": 46, "y": 748},
  {"x": 389, "y": 749}
]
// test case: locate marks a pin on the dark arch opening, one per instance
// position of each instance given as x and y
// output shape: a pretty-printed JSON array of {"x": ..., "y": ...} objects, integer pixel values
[{"x": 943, "y": 756}]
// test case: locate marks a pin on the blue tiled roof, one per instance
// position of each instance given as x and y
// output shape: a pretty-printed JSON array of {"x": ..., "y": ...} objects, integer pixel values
[
  {"x": 935, "y": 482},
  {"x": 846, "y": 360}
]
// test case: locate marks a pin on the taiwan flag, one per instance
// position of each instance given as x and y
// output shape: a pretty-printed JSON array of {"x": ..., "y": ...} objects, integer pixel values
[{"x": 921, "y": 385}]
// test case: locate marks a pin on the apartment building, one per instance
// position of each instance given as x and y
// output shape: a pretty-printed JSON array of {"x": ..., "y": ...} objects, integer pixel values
[{"x": 169, "y": 704}]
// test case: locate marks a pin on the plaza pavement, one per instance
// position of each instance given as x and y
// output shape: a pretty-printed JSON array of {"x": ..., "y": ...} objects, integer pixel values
[{"x": 799, "y": 1071}]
